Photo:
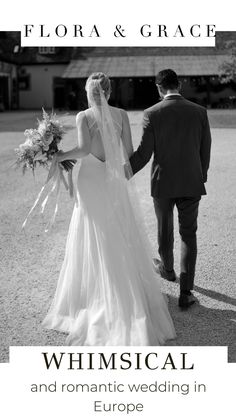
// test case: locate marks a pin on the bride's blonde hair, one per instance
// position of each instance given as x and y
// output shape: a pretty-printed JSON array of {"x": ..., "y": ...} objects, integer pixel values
[{"x": 92, "y": 86}]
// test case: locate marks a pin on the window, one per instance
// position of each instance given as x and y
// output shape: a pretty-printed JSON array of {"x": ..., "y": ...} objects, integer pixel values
[
  {"x": 24, "y": 82},
  {"x": 46, "y": 50}
]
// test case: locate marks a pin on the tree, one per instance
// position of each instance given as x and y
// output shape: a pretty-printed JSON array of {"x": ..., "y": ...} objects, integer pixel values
[{"x": 228, "y": 68}]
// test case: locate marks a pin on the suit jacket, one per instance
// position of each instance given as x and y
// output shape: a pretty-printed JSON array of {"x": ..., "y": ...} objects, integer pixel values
[{"x": 177, "y": 133}]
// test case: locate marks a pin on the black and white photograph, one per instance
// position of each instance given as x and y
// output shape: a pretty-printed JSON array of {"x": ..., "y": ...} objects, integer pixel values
[{"x": 117, "y": 210}]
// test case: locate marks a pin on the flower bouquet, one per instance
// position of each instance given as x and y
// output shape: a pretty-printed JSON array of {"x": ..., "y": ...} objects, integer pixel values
[
  {"x": 40, "y": 148},
  {"x": 41, "y": 144}
]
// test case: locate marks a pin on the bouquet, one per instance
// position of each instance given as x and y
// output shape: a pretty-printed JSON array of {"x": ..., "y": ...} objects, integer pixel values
[
  {"x": 39, "y": 148},
  {"x": 41, "y": 144}
]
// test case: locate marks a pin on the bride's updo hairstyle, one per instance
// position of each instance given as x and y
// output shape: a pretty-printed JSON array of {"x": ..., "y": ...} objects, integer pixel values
[{"x": 93, "y": 84}]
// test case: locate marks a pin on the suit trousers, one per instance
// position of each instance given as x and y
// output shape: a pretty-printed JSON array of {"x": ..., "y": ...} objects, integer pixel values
[{"x": 187, "y": 216}]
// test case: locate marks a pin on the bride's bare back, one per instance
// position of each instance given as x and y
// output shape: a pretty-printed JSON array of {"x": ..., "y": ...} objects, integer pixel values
[{"x": 89, "y": 136}]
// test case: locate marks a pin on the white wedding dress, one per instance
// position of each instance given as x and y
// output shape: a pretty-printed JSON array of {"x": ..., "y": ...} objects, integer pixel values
[{"x": 108, "y": 292}]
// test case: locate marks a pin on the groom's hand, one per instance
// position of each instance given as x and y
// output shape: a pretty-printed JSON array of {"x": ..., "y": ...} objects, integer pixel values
[
  {"x": 146, "y": 147},
  {"x": 128, "y": 171}
]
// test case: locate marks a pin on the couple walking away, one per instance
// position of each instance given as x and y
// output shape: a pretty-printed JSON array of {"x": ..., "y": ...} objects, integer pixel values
[{"x": 108, "y": 292}]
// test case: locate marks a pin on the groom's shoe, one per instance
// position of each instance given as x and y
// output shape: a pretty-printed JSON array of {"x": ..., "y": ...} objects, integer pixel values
[
  {"x": 160, "y": 269},
  {"x": 186, "y": 300}
]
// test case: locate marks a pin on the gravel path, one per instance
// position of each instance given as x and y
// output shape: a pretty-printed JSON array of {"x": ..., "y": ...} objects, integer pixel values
[{"x": 30, "y": 262}]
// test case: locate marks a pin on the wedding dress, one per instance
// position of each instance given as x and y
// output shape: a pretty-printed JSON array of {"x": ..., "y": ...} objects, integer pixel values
[{"x": 107, "y": 292}]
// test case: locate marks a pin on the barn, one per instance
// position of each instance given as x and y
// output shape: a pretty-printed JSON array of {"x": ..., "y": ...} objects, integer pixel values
[{"x": 54, "y": 77}]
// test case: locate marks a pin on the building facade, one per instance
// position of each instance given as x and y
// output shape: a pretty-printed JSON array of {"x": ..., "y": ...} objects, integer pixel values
[
  {"x": 53, "y": 77},
  {"x": 133, "y": 70}
]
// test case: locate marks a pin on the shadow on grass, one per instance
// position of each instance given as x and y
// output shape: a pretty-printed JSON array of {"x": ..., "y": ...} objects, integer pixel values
[
  {"x": 216, "y": 295},
  {"x": 198, "y": 326},
  {"x": 213, "y": 294},
  {"x": 203, "y": 326}
]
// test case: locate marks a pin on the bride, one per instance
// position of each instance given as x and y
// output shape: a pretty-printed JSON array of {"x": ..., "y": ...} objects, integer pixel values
[{"x": 107, "y": 292}]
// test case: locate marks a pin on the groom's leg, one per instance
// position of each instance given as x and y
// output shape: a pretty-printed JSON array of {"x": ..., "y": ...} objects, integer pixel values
[
  {"x": 164, "y": 213},
  {"x": 188, "y": 212}
]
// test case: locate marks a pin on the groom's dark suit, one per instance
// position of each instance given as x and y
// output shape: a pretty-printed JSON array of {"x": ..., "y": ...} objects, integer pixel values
[{"x": 177, "y": 132}]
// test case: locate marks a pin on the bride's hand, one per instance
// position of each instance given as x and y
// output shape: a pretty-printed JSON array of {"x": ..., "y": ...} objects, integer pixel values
[
  {"x": 60, "y": 156},
  {"x": 64, "y": 162}
]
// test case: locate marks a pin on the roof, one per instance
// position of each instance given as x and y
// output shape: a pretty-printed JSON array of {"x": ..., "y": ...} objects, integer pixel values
[
  {"x": 145, "y": 66},
  {"x": 220, "y": 48},
  {"x": 147, "y": 61},
  {"x": 30, "y": 55},
  {"x": 145, "y": 57}
]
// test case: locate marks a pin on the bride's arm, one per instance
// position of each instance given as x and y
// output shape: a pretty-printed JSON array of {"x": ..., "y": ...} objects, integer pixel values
[
  {"x": 126, "y": 133},
  {"x": 84, "y": 141}
]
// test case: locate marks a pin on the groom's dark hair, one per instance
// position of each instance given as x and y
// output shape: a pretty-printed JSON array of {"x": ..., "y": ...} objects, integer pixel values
[{"x": 167, "y": 79}]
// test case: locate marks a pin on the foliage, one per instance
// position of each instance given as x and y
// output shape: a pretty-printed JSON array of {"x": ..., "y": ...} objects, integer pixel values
[{"x": 228, "y": 68}]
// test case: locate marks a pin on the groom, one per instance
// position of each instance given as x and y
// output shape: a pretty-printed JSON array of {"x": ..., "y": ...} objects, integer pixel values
[{"x": 176, "y": 131}]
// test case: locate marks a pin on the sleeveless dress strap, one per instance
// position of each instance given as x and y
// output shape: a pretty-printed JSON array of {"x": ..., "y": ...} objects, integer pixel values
[
  {"x": 91, "y": 122},
  {"x": 119, "y": 123}
]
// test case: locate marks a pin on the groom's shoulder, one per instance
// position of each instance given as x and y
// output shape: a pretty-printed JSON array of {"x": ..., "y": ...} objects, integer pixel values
[
  {"x": 194, "y": 105},
  {"x": 196, "y": 109},
  {"x": 160, "y": 106},
  {"x": 154, "y": 108}
]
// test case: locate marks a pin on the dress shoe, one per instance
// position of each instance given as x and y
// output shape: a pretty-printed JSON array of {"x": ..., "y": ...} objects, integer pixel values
[
  {"x": 186, "y": 300},
  {"x": 160, "y": 269}
]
